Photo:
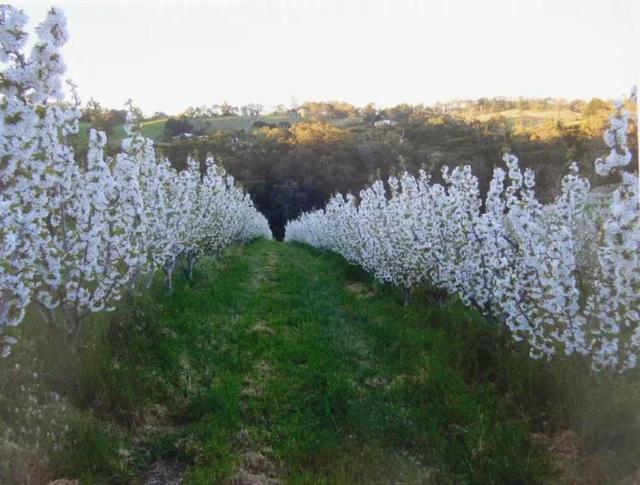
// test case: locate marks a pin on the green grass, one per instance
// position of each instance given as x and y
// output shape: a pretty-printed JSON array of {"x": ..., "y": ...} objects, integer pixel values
[
  {"x": 280, "y": 360},
  {"x": 234, "y": 123},
  {"x": 151, "y": 129}
]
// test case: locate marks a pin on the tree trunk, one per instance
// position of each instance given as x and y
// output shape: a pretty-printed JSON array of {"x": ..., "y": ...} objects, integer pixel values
[
  {"x": 192, "y": 264},
  {"x": 73, "y": 332},
  {"x": 149, "y": 280},
  {"x": 168, "y": 276},
  {"x": 48, "y": 316},
  {"x": 407, "y": 295}
]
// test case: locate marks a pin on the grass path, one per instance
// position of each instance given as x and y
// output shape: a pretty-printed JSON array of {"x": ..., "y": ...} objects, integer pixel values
[{"x": 283, "y": 364}]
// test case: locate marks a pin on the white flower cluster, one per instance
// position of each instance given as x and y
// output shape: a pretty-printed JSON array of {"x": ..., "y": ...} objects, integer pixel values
[
  {"x": 563, "y": 276},
  {"x": 74, "y": 233}
]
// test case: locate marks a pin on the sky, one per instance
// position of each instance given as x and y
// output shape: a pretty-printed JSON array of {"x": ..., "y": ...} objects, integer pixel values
[{"x": 167, "y": 56}]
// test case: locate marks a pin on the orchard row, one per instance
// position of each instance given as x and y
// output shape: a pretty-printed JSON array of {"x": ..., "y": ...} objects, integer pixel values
[
  {"x": 563, "y": 276},
  {"x": 76, "y": 233}
]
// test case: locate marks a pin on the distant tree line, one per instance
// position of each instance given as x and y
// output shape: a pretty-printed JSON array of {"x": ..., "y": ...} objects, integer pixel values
[
  {"x": 290, "y": 169},
  {"x": 224, "y": 109},
  {"x": 100, "y": 118},
  {"x": 497, "y": 104}
]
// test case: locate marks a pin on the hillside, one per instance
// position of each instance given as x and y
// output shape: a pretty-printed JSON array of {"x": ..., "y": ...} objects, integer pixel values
[
  {"x": 291, "y": 169},
  {"x": 154, "y": 128},
  {"x": 529, "y": 117},
  {"x": 291, "y": 163},
  {"x": 151, "y": 129}
]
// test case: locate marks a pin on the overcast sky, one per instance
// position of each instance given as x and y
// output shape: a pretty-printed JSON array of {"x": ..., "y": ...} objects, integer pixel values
[{"x": 171, "y": 55}]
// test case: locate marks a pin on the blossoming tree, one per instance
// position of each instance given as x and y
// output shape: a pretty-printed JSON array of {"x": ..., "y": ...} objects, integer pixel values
[
  {"x": 508, "y": 255},
  {"x": 76, "y": 233}
]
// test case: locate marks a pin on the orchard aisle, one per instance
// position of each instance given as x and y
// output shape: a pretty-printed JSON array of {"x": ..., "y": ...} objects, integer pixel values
[
  {"x": 295, "y": 376},
  {"x": 307, "y": 371}
]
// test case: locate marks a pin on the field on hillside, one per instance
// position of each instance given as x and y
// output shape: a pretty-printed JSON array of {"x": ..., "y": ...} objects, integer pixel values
[
  {"x": 154, "y": 129},
  {"x": 151, "y": 129},
  {"x": 527, "y": 117},
  {"x": 234, "y": 123}
]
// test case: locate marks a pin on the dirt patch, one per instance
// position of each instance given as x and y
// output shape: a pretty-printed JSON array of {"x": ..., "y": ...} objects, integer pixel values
[
  {"x": 266, "y": 275},
  {"x": 568, "y": 461},
  {"x": 20, "y": 465},
  {"x": 377, "y": 382},
  {"x": 244, "y": 477},
  {"x": 258, "y": 463},
  {"x": 261, "y": 326},
  {"x": 256, "y": 469},
  {"x": 165, "y": 473},
  {"x": 257, "y": 281},
  {"x": 272, "y": 262},
  {"x": 241, "y": 439},
  {"x": 358, "y": 289},
  {"x": 253, "y": 384}
]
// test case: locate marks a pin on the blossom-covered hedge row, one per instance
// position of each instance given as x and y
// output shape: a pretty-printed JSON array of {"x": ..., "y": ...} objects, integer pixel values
[
  {"x": 563, "y": 276},
  {"x": 75, "y": 233}
]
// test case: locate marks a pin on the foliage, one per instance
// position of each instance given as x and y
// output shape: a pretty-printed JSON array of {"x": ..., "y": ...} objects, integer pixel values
[
  {"x": 318, "y": 132},
  {"x": 102, "y": 119},
  {"x": 177, "y": 126},
  {"x": 327, "y": 110}
]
